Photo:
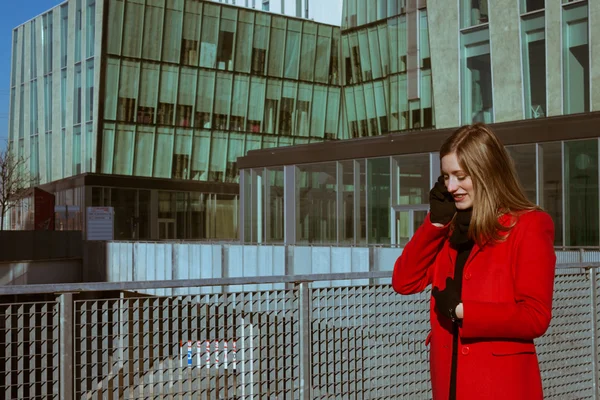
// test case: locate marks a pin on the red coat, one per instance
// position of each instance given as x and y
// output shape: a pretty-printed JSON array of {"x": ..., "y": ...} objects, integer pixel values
[{"x": 507, "y": 299}]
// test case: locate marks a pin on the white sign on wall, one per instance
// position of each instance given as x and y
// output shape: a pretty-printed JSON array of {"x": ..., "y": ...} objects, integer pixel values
[{"x": 100, "y": 223}]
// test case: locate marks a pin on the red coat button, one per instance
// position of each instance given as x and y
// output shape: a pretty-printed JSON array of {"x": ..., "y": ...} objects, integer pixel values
[
  {"x": 468, "y": 276},
  {"x": 465, "y": 350}
]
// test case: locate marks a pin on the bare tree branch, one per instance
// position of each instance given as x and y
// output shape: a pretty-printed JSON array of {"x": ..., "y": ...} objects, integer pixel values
[{"x": 14, "y": 180}]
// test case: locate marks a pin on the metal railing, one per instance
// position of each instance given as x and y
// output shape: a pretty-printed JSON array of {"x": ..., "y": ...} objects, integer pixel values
[{"x": 301, "y": 341}]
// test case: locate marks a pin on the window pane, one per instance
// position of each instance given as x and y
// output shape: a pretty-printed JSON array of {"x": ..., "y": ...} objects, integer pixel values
[
  {"x": 322, "y": 69},
  {"x": 379, "y": 201},
  {"x": 318, "y": 111},
  {"x": 148, "y": 94},
  {"x": 473, "y": 12},
  {"x": 239, "y": 103},
  {"x": 292, "y": 49},
  {"x": 200, "y": 155},
  {"x": 208, "y": 45},
  {"x": 413, "y": 179},
  {"x": 115, "y": 24},
  {"x": 222, "y": 101},
  {"x": 90, "y": 27},
  {"x": 218, "y": 151},
  {"x": 163, "y": 153},
  {"x": 307, "y": 58},
  {"x": 525, "y": 163},
  {"x": 256, "y": 105},
  {"x": 317, "y": 203},
  {"x": 226, "y": 39},
  {"x": 133, "y": 29},
  {"x": 204, "y": 99},
  {"x": 534, "y": 64},
  {"x": 551, "y": 186},
  {"x": 531, "y": 5},
  {"x": 476, "y": 78},
  {"x": 243, "y": 53},
  {"x": 182, "y": 153},
  {"x": 144, "y": 148},
  {"x": 77, "y": 95},
  {"x": 277, "y": 46},
  {"x": 124, "y": 151},
  {"x": 261, "y": 40},
  {"x": 112, "y": 79},
  {"x": 172, "y": 35},
  {"x": 333, "y": 113},
  {"x": 235, "y": 150},
  {"x": 153, "y": 22},
  {"x": 576, "y": 61},
  {"x": 581, "y": 197},
  {"x": 190, "y": 42}
]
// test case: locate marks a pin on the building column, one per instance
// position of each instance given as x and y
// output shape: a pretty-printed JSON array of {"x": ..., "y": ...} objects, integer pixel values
[{"x": 290, "y": 197}]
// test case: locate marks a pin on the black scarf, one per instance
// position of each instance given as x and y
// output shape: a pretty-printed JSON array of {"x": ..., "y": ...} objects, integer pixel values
[{"x": 460, "y": 234}]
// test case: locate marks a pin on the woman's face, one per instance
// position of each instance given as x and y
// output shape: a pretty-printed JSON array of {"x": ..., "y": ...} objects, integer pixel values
[{"x": 457, "y": 181}]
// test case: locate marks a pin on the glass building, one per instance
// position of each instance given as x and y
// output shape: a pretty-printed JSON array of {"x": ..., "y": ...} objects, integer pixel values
[
  {"x": 376, "y": 191},
  {"x": 328, "y": 12},
  {"x": 178, "y": 90}
]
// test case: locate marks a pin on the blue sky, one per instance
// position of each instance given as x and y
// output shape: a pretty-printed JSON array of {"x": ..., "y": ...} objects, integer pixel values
[{"x": 11, "y": 17}]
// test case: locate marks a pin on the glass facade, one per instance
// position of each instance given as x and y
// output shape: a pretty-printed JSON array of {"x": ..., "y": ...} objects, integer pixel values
[
  {"x": 386, "y": 71},
  {"x": 576, "y": 58},
  {"x": 473, "y": 12},
  {"x": 52, "y": 85},
  {"x": 226, "y": 81},
  {"x": 533, "y": 45},
  {"x": 383, "y": 200},
  {"x": 476, "y": 77}
]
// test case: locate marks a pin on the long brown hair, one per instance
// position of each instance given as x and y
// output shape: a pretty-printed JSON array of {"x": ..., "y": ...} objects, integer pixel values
[{"x": 497, "y": 190}]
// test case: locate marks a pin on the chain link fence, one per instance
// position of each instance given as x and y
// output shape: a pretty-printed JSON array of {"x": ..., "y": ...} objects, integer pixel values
[{"x": 305, "y": 341}]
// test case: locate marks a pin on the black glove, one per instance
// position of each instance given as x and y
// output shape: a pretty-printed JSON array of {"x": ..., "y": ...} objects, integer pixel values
[
  {"x": 441, "y": 203},
  {"x": 446, "y": 300}
]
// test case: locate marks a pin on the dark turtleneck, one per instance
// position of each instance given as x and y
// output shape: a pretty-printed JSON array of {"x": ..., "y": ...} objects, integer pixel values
[{"x": 460, "y": 241}]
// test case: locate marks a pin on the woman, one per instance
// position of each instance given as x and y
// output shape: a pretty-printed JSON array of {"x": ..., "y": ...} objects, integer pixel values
[{"x": 488, "y": 253}]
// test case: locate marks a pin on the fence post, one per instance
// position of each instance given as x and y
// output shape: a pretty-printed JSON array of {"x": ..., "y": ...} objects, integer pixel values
[
  {"x": 305, "y": 318},
  {"x": 66, "y": 345},
  {"x": 595, "y": 349}
]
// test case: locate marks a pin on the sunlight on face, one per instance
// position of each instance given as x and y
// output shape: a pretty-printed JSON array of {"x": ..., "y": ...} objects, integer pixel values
[{"x": 457, "y": 181}]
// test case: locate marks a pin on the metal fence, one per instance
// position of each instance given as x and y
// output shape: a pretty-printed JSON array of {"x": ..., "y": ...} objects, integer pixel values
[{"x": 303, "y": 341}]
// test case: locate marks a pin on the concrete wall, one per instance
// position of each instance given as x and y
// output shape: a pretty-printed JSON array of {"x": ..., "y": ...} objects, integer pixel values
[
  {"x": 505, "y": 55},
  {"x": 40, "y": 245},
  {"x": 43, "y": 271},
  {"x": 445, "y": 63}
]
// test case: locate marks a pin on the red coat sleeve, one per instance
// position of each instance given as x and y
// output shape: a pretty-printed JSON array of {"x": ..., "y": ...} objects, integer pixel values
[
  {"x": 528, "y": 317},
  {"x": 413, "y": 270}
]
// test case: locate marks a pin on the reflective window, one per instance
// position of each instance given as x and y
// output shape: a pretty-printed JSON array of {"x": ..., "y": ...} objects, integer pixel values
[
  {"x": 413, "y": 179},
  {"x": 576, "y": 61},
  {"x": 531, "y": 5},
  {"x": 379, "y": 200},
  {"x": 114, "y": 26},
  {"x": 533, "y": 43},
  {"x": 153, "y": 31},
  {"x": 476, "y": 74},
  {"x": 132, "y": 28},
  {"x": 524, "y": 159},
  {"x": 243, "y": 53},
  {"x": 90, "y": 28},
  {"x": 581, "y": 193},
  {"x": 473, "y": 12},
  {"x": 77, "y": 95},
  {"x": 316, "y": 191},
  {"x": 551, "y": 197},
  {"x": 78, "y": 27}
]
